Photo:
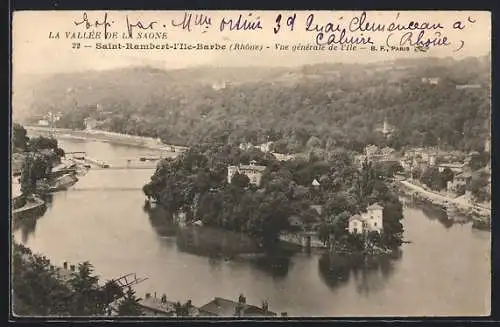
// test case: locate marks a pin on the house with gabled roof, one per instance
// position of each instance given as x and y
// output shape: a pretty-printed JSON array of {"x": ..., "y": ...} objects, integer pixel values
[
  {"x": 227, "y": 308},
  {"x": 253, "y": 172},
  {"x": 372, "y": 220}
]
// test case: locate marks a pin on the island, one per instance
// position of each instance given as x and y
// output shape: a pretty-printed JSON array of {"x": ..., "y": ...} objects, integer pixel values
[{"x": 320, "y": 200}]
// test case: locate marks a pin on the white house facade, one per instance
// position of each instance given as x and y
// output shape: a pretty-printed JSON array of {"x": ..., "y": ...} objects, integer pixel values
[
  {"x": 370, "y": 221},
  {"x": 252, "y": 171}
]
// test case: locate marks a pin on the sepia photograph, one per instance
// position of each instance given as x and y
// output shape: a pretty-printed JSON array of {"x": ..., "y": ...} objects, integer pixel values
[{"x": 253, "y": 164}]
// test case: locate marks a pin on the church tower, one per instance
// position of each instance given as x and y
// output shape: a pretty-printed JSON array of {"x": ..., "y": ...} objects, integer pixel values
[{"x": 385, "y": 129}]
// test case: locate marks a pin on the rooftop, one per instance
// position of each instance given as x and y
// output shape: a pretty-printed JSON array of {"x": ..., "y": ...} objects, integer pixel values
[
  {"x": 224, "y": 307},
  {"x": 156, "y": 304},
  {"x": 356, "y": 217},
  {"x": 375, "y": 206},
  {"x": 252, "y": 167}
]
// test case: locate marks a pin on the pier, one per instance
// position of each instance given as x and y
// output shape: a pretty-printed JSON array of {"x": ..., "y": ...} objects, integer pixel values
[
  {"x": 98, "y": 163},
  {"x": 125, "y": 167}
]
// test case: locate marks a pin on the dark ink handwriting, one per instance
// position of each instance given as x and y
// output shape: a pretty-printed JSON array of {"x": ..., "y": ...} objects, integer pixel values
[
  {"x": 87, "y": 24},
  {"x": 362, "y": 24},
  {"x": 139, "y": 24},
  {"x": 342, "y": 38},
  {"x": 337, "y": 34},
  {"x": 419, "y": 40},
  {"x": 330, "y": 27},
  {"x": 248, "y": 23},
  {"x": 199, "y": 20}
]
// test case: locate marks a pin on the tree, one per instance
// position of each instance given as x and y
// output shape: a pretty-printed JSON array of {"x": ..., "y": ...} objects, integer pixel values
[
  {"x": 19, "y": 138},
  {"x": 87, "y": 299},
  {"x": 129, "y": 305},
  {"x": 478, "y": 187},
  {"x": 240, "y": 180},
  {"x": 416, "y": 173},
  {"x": 37, "y": 290},
  {"x": 42, "y": 142},
  {"x": 478, "y": 160},
  {"x": 324, "y": 233},
  {"x": 447, "y": 175},
  {"x": 433, "y": 178}
]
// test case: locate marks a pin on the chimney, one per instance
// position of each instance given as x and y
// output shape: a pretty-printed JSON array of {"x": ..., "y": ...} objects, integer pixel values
[
  {"x": 164, "y": 298},
  {"x": 72, "y": 267},
  {"x": 65, "y": 265},
  {"x": 155, "y": 295}
]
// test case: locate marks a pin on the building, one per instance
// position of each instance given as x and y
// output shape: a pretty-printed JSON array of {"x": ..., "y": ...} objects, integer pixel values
[
  {"x": 376, "y": 154},
  {"x": 246, "y": 146},
  {"x": 454, "y": 167},
  {"x": 153, "y": 306},
  {"x": 43, "y": 122},
  {"x": 356, "y": 224},
  {"x": 221, "y": 307},
  {"x": 317, "y": 207},
  {"x": 431, "y": 80},
  {"x": 369, "y": 221},
  {"x": 467, "y": 86},
  {"x": 90, "y": 123},
  {"x": 252, "y": 171},
  {"x": 459, "y": 181},
  {"x": 265, "y": 147},
  {"x": 386, "y": 129}
]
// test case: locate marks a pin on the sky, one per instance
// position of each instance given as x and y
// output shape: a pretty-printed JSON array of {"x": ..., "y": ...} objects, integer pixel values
[{"x": 34, "y": 53}]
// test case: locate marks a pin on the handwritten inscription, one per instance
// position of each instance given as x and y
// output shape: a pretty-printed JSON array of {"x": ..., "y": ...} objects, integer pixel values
[
  {"x": 358, "y": 29},
  {"x": 189, "y": 20},
  {"x": 96, "y": 23}
]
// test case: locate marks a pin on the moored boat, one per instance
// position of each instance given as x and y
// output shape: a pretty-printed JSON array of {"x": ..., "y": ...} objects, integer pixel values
[{"x": 31, "y": 205}]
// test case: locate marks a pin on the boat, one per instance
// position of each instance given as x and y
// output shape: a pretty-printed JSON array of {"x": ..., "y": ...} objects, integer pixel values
[
  {"x": 32, "y": 205},
  {"x": 63, "y": 183},
  {"x": 481, "y": 223}
]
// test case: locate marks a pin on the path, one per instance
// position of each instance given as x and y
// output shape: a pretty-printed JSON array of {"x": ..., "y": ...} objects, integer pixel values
[{"x": 442, "y": 198}]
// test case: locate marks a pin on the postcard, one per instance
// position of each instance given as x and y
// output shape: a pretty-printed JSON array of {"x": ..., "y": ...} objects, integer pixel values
[{"x": 251, "y": 164}]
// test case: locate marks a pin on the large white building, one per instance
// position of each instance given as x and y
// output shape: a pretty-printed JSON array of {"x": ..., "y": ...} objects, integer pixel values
[
  {"x": 252, "y": 171},
  {"x": 369, "y": 221}
]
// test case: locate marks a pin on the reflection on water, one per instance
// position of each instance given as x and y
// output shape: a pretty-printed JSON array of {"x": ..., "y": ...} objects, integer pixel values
[
  {"x": 277, "y": 262},
  {"x": 220, "y": 245},
  {"x": 161, "y": 221},
  {"x": 367, "y": 273},
  {"x": 434, "y": 212},
  {"x": 26, "y": 222}
]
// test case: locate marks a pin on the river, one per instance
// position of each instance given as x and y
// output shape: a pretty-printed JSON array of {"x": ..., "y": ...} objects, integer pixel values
[{"x": 444, "y": 271}]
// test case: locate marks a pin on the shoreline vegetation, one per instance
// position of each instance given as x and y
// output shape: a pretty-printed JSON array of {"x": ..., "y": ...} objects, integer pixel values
[{"x": 37, "y": 164}]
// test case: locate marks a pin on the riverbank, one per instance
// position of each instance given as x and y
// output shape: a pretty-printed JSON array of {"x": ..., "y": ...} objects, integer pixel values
[
  {"x": 109, "y": 137},
  {"x": 480, "y": 216}
]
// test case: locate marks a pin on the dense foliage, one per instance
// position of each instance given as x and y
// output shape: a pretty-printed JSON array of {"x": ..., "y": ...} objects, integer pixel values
[
  {"x": 39, "y": 155},
  {"x": 19, "y": 138},
  {"x": 40, "y": 290},
  {"x": 435, "y": 179},
  {"x": 197, "y": 182},
  {"x": 321, "y": 106}
]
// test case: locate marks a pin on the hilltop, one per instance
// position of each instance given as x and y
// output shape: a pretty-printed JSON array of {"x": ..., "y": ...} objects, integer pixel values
[{"x": 320, "y": 105}]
